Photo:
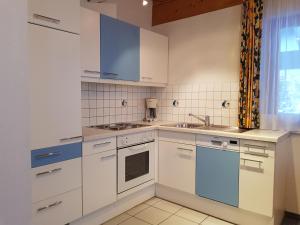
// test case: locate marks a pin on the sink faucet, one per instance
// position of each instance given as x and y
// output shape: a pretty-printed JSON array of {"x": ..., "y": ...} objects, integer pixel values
[{"x": 206, "y": 121}]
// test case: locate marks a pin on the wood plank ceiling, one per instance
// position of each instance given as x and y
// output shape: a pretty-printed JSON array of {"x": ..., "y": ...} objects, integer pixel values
[{"x": 170, "y": 10}]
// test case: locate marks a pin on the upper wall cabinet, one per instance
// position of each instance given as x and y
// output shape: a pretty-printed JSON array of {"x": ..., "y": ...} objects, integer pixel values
[
  {"x": 154, "y": 57},
  {"x": 90, "y": 43},
  {"x": 90, "y": 40},
  {"x": 59, "y": 14},
  {"x": 120, "y": 50}
]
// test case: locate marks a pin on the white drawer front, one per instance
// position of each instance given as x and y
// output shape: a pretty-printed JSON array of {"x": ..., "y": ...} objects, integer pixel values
[
  {"x": 59, "y": 210},
  {"x": 101, "y": 145},
  {"x": 258, "y": 148},
  {"x": 55, "y": 179},
  {"x": 178, "y": 137}
]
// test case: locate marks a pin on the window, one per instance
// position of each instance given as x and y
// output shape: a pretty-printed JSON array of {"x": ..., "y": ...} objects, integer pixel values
[
  {"x": 289, "y": 76},
  {"x": 280, "y": 66}
]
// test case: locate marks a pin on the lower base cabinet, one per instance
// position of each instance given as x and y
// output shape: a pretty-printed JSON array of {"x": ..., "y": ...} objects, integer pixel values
[
  {"x": 257, "y": 183},
  {"x": 99, "y": 180},
  {"x": 177, "y": 166},
  {"x": 58, "y": 210}
]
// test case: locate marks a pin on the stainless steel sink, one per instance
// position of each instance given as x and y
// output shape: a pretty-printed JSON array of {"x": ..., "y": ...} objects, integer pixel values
[
  {"x": 184, "y": 125},
  {"x": 203, "y": 127}
]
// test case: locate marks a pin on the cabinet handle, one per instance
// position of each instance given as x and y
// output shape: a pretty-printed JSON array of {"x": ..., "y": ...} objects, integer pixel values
[
  {"x": 46, "y": 18},
  {"x": 265, "y": 155},
  {"x": 70, "y": 139},
  {"x": 147, "y": 78},
  {"x": 49, "y": 172},
  {"x": 256, "y": 169},
  {"x": 91, "y": 71},
  {"x": 185, "y": 149},
  {"x": 49, "y": 206},
  {"x": 50, "y": 154},
  {"x": 110, "y": 74},
  {"x": 109, "y": 156},
  {"x": 101, "y": 144},
  {"x": 249, "y": 152},
  {"x": 255, "y": 146}
]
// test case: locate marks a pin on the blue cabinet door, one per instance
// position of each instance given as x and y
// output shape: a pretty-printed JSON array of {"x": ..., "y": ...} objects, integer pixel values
[
  {"x": 120, "y": 49},
  {"x": 217, "y": 175},
  {"x": 46, "y": 156}
]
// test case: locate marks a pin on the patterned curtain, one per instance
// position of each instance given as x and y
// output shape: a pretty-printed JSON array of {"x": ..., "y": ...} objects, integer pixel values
[{"x": 250, "y": 64}]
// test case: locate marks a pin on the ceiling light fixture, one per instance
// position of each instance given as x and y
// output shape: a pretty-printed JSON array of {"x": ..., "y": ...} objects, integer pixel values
[{"x": 145, "y": 2}]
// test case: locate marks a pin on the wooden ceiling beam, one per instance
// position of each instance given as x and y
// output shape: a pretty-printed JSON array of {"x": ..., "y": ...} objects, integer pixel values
[{"x": 170, "y": 10}]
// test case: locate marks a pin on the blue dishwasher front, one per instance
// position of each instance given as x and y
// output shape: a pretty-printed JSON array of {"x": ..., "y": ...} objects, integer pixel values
[{"x": 217, "y": 175}]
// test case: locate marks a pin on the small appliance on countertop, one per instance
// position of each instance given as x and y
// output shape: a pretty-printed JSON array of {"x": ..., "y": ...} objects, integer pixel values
[{"x": 151, "y": 110}]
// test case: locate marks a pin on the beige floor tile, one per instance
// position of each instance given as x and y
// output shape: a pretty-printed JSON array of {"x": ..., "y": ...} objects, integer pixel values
[
  {"x": 153, "y": 215},
  {"x": 152, "y": 201},
  {"x": 118, "y": 219},
  {"x": 214, "y": 221},
  {"x": 167, "y": 206},
  {"x": 134, "y": 221},
  {"x": 135, "y": 210},
  {"x": 192, "y": 215},
  {"x": 176, "y": 220}
]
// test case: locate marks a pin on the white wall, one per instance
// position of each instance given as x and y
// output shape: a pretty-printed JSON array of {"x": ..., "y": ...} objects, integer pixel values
[
  {"x": 205, "y": 47},
  {"x": 15, "y": 199},
  {"x": 293, "y": 185}
]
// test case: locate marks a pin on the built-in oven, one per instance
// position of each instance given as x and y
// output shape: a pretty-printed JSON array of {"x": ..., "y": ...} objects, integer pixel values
[{"x": 135, "y": 165}]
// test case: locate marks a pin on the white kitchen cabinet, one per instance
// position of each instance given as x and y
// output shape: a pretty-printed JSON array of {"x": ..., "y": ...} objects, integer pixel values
[
  {"x": 54, "y": 68},
  {"x": 58, "y": 14},
  {"x": 59, "y": 210},
  {"x": 256, "y": 184},
  {"x": 55, "y": 179},
  {"x": 90, "y": 40},
  {"x": 99, "y": 180},
  {"x": 177, "y": 166},
  {"x": 153, "y": 57}
]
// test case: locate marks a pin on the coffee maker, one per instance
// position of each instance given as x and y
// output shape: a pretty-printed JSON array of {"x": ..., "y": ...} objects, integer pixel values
[{"x": 151, "y": 109}]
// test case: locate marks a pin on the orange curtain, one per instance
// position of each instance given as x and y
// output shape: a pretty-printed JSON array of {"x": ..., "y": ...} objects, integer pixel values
[{"x": 250, "y": 64}]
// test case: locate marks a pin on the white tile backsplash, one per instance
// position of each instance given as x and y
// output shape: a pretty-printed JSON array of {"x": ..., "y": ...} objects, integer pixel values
[{"x": 102, "y": 103}]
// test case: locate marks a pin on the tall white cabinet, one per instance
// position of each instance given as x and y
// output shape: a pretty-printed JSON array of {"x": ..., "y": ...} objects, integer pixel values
[{"x": 55, "y": 93}]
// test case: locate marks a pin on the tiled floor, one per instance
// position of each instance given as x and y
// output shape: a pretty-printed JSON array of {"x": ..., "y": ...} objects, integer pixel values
[{"x": 157, "y": 211}]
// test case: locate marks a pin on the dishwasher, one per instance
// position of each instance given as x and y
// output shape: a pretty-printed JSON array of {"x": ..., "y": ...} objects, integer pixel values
[{"x": 217, "y": 169}]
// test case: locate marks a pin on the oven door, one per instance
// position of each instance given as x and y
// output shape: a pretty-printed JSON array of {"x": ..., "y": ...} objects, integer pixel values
[{"x": 135, "y": 166}]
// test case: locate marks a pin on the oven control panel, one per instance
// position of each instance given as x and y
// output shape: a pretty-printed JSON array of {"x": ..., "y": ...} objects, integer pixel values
[{"x": 136, "y": 138}]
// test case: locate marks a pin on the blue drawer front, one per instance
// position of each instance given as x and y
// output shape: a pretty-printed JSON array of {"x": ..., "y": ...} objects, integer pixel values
[
  {"x": 46, "y": 156},
  {"x": 217, "y": 175},
  {"x": 120, "y": 49}
]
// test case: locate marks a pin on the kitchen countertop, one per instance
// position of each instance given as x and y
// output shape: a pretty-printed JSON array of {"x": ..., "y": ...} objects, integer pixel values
[{"x": 90, "y": 134}]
